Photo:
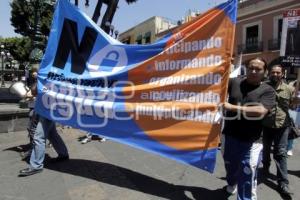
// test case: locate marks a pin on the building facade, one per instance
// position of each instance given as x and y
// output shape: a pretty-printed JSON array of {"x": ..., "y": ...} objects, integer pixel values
[
  {"x": 146, "y": 31},
  {"x": 259, "y": 28}
]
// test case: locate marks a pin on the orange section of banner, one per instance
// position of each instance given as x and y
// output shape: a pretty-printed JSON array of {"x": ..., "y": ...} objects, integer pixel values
[{"x": 176, "y": 93}]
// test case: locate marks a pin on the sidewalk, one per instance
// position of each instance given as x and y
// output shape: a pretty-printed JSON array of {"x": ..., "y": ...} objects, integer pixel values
[
  {"x": 112, "y": 171},
  {"x": 13, "y": 118}
]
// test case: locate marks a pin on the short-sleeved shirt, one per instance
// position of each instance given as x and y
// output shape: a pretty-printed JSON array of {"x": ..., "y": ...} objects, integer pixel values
[
  {"x": 279, "y": 116},
  {"x": 242, "y": 93}
]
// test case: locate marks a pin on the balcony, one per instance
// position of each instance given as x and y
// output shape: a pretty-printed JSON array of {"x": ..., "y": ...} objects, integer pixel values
[
  {"x": 252, "y": 47},
  {"x": 274, "y": 44}
]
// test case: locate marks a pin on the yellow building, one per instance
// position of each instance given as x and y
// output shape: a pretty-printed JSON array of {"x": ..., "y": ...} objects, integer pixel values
[{"x": 146, "y": 31}]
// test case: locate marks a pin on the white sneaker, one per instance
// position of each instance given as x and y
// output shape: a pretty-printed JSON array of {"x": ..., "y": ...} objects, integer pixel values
[
  {"x": 289, "y": 152},
  {"x": 102, "y": 140},
  {"x": 231, "y": 189},
  {"x": 85, "y": 140}
]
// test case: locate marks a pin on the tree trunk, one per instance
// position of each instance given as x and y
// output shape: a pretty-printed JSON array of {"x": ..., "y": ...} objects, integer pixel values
[
  {"x": 109, "y": 14},
  {"x": 97, "y": 11}
]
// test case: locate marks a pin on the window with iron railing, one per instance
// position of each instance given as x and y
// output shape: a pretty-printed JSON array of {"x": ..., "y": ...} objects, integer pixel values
[
  {"x": 274, "y": 44},
  {"x": 251, "y": 46}
]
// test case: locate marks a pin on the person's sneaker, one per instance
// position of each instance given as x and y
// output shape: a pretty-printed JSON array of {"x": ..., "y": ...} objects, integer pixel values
[
  {"x": 29, "y": 171},
  {"x": 102, "y": 140},
  {"x": 289, "y": 152},
  {"x": 284, "y": 191},
  {"x": 86, "y": 140},
  {"x": 231, "y": 189}
]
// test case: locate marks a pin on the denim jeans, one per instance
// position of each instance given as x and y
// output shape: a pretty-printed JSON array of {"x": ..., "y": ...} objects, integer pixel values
[
  {"x": 278, "y": 136},
  {"x": 32, "y": 124},
  {"x": 45, "y": 129},
  {"x": 290, "y": 145}
]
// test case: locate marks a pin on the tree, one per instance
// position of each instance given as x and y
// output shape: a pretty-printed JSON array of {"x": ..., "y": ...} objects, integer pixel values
[
  {"x": 23, "y": 17},
  {"x": 19, "y": 48}
]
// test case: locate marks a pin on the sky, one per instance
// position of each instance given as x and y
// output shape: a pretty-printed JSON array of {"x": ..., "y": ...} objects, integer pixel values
[{"x": 126, "y": 16}]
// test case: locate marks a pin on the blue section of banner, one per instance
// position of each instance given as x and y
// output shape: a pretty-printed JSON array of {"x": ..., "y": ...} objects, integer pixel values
[
  {"x": 230, "y": 8},
  {"x": 118, "y": 131}
]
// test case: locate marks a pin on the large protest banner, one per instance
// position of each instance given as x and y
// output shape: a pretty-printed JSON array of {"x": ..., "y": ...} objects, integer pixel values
[{"x": 161, "y": 97}]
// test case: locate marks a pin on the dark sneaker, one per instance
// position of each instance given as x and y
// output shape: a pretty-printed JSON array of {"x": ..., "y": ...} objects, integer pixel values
[
  {"x": 284, "y": 191},
  {"x": 29, "y": 171}
]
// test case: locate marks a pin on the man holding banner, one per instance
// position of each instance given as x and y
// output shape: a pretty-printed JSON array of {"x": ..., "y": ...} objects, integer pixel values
[
  {"x": 42, "y": 129},
  {"x": 45, "y": 129},
  {"x": 249, "y": 101}
]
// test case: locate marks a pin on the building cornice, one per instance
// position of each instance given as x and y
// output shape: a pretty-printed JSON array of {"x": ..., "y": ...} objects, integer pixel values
[
  {"x": 261, "y": 6},
  {"x": 260, "y": 13}
]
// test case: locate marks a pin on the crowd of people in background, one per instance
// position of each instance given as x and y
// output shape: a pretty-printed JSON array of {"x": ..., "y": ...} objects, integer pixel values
[{"x": 257, "y": 119}]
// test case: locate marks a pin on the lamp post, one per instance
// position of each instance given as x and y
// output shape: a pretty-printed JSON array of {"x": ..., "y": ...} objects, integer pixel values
[
  {"x": 4, "y": 55},
  {"x": 107, "y": 24},
  {"x": 2, "y": 60},
  {"x": 112, "y": 28},
  {"x": 37, "y": 9},
  {"x": 116, "y": 34},
  {"x": 13, "y": 65},
  {"x": 37, "y": 38}
]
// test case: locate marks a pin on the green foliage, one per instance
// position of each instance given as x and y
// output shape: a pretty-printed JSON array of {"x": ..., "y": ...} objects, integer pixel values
[
  {"x": 32, "y": 19},
  {"x": 19, "y": 47},
  {"x": 23, "y": 16}
]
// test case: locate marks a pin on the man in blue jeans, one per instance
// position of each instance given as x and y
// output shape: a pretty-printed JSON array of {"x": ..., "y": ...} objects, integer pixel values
[
  {"x": 45, "y": 129},
  {"x": 277, "y": 127},
  {"x": 249, "y": 101}
]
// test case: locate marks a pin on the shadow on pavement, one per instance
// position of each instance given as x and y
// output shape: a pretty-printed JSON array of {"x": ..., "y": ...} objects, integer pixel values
[
  {"x": 267, "y": 179},
  {"x": 126, "y": 178},
  {"x": 122, "y": 177},
  {"x": 20, "y": 148},
  {"x": 270, "y": 181},
  {"x": 295, "y": 173}
]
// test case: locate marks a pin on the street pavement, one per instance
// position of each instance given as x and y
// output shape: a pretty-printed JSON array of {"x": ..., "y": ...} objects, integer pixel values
[{"x": 112, "y": 171}]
